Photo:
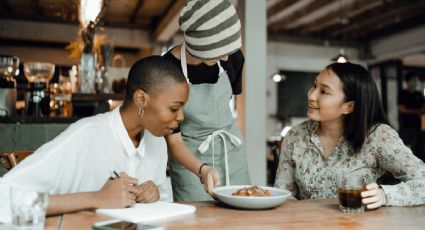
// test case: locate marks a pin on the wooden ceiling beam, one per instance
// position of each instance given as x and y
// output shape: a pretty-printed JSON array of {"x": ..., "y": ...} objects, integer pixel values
[
  {"x": 356, "y": 21},
  {"x": 5, "y": 7},
  {"x": 276, "y": 8},
  {"x": 169, "y": 24},
  {"x": 333, "y": 17},
  {"x": 136, "y": 10},
  {"x": 65, "y": 33},
  {"x": 410, "y": 23},
  {"x": 296, "y": 15},
  {"x": 392, "y": 18},
  {"x": 385, "y": 12}
]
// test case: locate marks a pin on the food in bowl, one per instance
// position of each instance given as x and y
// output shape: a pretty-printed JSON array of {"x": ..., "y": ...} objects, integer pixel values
[{"x": 252, "y": 191}]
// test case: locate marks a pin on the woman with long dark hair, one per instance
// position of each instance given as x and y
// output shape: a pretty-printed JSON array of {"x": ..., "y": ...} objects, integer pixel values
[{"x": 347, "y": 133}]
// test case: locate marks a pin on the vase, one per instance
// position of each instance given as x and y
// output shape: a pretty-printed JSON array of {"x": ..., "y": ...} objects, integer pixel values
[{"x": 87, "y": 73}]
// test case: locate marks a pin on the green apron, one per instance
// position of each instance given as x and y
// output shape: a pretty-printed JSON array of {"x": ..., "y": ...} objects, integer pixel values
[{"x": 212, "y": 135}]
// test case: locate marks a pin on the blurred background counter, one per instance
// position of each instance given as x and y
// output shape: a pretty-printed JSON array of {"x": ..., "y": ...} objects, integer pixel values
[
  {"x": 28, "y": 136},
  {"x": 21, "y": 132}
]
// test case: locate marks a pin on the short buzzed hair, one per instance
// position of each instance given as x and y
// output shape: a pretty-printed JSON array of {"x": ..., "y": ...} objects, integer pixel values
[{"x": 152, "y": 74}]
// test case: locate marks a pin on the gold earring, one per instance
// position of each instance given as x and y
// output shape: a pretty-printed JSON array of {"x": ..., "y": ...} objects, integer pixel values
[{"x": 141, "y": 112}]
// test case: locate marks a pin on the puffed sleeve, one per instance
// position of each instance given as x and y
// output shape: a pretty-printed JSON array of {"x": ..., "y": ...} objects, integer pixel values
[
  {"x": 43, "y": 168},
  {"x": 285, "y": 170},
  {"x": 398, "y": 159}
]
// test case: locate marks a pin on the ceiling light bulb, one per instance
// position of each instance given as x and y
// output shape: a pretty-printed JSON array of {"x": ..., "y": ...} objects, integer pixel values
[
  {"x": 277, "y": 77},
  {"x": 89, "y": 10},
  {"x": 341, "y": 59}
]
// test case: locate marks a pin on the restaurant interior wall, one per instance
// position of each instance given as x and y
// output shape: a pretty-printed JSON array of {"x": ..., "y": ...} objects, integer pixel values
[{"x": 406, "y": 47}]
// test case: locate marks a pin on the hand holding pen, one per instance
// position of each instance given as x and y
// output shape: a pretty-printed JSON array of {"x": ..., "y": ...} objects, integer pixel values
[
  {"x": 117, "y": 193},
  {"x": 147, "y": 192}
]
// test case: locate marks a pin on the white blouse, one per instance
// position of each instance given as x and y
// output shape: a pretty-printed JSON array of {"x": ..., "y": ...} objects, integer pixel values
[{"x": 83, "y": 157}]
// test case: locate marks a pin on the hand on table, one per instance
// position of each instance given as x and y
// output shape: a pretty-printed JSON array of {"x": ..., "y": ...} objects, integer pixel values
[
  {"x": 147, "y": 192},
  {"x": 210, "y": 179},
  {"x": 374, "y": 197}
]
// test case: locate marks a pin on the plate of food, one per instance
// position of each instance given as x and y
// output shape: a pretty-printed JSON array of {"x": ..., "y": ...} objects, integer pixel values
[{"x": 251, "y": 196}]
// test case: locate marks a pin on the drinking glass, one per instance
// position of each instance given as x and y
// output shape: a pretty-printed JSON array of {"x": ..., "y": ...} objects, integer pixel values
[
  {"x": 28, "y": 206},
  {"x": 349, "y": 193}
]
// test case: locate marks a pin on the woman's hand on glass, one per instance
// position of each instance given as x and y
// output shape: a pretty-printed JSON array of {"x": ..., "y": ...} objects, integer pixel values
[
  {"x": 374, "y": 197},
  {"x": 210, "y": 179}
]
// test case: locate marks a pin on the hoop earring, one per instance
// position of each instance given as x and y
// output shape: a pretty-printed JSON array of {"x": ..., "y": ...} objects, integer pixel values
[{"x": 141, "y": 112}]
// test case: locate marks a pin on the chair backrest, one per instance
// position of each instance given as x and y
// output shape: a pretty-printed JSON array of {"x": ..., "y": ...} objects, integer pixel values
[{"x": 10, "y": 159}]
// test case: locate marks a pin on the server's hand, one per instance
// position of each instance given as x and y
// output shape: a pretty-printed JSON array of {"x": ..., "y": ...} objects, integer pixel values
[{"x": 210, "y": 178}]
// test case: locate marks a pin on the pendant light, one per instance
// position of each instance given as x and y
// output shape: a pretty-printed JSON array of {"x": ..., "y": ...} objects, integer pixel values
[
  {"x": 341, "y": 57},
  {"x": 278, "y": 76}
]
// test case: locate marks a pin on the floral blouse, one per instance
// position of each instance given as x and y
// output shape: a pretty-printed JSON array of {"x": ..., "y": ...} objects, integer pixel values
[{"x": 305, "y": 171}]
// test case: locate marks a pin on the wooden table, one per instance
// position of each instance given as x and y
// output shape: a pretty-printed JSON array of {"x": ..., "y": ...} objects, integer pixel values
[{"x": 307, "y": 214}]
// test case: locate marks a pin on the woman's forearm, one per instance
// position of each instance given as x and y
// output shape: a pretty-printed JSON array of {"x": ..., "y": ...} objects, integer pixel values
[
  {"x": 178, "y": 149},
  {"x": 71, "y": 203}
]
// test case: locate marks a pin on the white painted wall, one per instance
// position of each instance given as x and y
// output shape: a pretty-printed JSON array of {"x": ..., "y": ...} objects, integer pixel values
[{"x": 255, "y": 89}]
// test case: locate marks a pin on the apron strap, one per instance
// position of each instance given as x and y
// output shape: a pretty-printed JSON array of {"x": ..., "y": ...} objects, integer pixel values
[
  {"x": 220, "y": 69},
  {"x": 205, "y": 145},
  {"x": 183, "y": 62}
]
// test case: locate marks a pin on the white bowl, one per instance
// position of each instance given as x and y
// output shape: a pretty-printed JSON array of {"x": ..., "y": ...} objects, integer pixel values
[{"x": 277, "y": 196}]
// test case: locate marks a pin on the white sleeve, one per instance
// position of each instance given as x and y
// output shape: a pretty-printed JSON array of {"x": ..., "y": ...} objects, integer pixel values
[
  {"x": 40, "y": 169},
  {"x": 34, "y": 171},
  {"x": 165, "y": 190},
  {"x": 5, "y": 212}
]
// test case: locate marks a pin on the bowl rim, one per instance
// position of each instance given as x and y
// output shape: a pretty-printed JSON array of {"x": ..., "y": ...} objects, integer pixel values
[{"x": 285, "y": 192}]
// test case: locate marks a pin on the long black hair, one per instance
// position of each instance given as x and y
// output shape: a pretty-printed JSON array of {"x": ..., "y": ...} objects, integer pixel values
[{"x": 358, "y": 86}]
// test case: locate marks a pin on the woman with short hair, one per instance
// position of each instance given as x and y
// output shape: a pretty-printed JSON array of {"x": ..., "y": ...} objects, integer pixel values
[{"x": 76, "y": 166}]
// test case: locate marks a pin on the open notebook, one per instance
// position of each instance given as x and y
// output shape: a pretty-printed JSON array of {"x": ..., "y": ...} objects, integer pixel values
[{"x": 149, "y": 212}]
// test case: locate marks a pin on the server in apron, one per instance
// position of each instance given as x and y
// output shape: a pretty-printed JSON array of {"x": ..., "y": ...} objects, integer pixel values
[{"x": 208, "y": 149}]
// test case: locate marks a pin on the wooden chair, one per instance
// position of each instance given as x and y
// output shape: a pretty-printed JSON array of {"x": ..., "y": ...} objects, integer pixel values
[{"x": 10, "y": 159}]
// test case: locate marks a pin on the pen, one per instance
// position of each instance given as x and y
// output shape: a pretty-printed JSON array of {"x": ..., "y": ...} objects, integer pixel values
[{"x": 116, "y": 174}]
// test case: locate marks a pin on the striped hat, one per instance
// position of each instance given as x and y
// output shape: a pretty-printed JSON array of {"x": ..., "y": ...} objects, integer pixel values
[{"x": 211, "y": 28}]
